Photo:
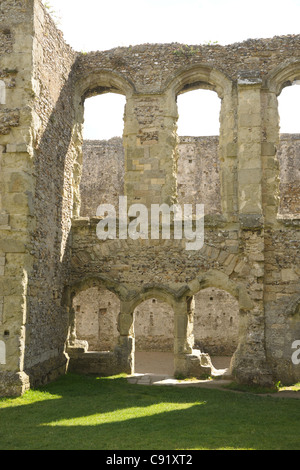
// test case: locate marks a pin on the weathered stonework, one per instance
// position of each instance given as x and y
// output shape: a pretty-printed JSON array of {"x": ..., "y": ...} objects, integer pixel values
[
  {"x": 289, "y": 163},
  {"x": 102, "y": 174},
  {"x": 49, "y": 254},
  {"x": 198, "y": 178}
]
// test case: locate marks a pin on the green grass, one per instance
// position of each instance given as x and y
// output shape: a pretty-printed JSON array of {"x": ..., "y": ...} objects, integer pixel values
[
  {"x": 291, "y": 388},
  {"x": 78, "y": 412}
]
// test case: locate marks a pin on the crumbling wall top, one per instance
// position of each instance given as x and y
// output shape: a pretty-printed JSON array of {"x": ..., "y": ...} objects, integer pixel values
[{"x": 151, "y": 66}]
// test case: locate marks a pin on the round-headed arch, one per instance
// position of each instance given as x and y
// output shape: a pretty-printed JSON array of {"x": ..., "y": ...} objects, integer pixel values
[
  {"x": 159, "y": 293},
  {"x": 283, "y": 75},
  {"x": 220, "y": 280},
  {"x": 100, "y": 82},
  {"x": 200, "y": 77},
  {"x": 94, "y": 281}
]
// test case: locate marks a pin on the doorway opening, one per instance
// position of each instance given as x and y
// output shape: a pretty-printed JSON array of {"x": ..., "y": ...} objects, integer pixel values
[
  {"x": 96, "y": 318},
  {"x": 216, "y": 326},
  {"x": 154, "y": 338}
]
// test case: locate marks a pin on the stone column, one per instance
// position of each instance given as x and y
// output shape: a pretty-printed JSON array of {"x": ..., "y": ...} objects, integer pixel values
[
  {"x": 249, "y": 149},
  {"x": 124, "y": 351},
  {"x": 249, "y": 364},
  {"x": 183, "y": 332},
  {"x": 270, "y": 164},
  {"x": 150, "y": 150},
  {"x": 188, "y": 362},
  {"x": 228, "y": 155},
  {"x": 16, "y": 196}
]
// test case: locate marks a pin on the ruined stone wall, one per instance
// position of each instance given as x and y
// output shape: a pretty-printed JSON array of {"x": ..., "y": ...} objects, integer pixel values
[
  {"x": 289, "y": 162},
  {"x": 154, "y": 326},
  {"x": 198, "y": 179},
  {"x": 198, "y": 182},
  {"x": 97, "y": 311},
  {"x": 16, "y": 187},
  {"x": 216, "y": 315},
  {"x": 216, "y": 322},
  {"x": 249, "y": 251},
  {"x": 37, "y": 170},
  {"x": 103, "y": 173},
  {"x": 198, "y": 173},
  {"x": 281, "y": 297},
  {"x": 150, "y": 66},
  {"x": 53, "y": 198}
]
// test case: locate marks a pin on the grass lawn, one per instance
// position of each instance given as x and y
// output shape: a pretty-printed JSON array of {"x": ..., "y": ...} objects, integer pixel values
[{"x": 89, "y": 413}]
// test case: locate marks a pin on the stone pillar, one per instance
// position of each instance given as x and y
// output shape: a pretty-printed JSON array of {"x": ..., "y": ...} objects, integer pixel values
[
  {"x": 249, "y": 364},
  {"x": 228, "y": 155},
  {"x": 183, "y": 332},
  {"x": 16, "y": 221},
  {"x": 124, "y": 351},
  {"x": 249, "y": 149},
  {"x": 188, "y": 362},
  {"x": 16, "y": 195},
  {"x": 270, "y": 164},
  {"x": 150, "y": 150},
  {"x": 276, "y": 320}
]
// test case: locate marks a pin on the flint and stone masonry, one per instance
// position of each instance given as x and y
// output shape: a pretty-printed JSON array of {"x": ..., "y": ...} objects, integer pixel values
[{"x": 49, "y": 253}]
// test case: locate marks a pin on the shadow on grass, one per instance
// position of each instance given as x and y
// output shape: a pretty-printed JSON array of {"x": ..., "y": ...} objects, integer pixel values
[{"x": 79, "y": 412}]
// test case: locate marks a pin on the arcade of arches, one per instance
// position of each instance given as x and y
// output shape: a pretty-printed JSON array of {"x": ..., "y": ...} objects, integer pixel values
[{"x": 53, "y": 267}]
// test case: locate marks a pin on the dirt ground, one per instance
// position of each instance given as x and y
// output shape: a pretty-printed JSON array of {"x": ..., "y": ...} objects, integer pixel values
[
  {"x": 163, "y": 363},
  {"x": 157, "y": 367}
]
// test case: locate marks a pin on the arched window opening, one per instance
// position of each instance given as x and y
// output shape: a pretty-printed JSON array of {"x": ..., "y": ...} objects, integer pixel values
[
  {"x": 199, "y": 112},
  {"x": 198, "y": 168},
  {"x": 2, "y": 92},
  {"x": 289, "y": 149},
  {"x": 154, "y": 338},
  {"x": 103, "y": 116},
  {"x": 216, "y": 325},
  {"x": 289, "y": 109},
  {"x": 96, "y": 318},
  {"x": 102, "y": 180}
]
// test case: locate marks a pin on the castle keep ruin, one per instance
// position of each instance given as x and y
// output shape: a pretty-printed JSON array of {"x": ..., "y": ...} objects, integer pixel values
[{"x": 49, "y": 251}]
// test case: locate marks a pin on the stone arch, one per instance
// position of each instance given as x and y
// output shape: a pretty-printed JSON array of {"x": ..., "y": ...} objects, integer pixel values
[
  {"x": 154, "y": 337},
  {"x": 83, "y": 285},
  {"x": 283, "y": 75},
  {"x": 131, "y": 303},
  {"x": 200, "y": 76},
  {"x": 286, "y": 183},
  {"x": 88, "y": 282},
  {"x": 96, "y": 311},
  {"x": 220, "y": 280},
  {"x": 214, "y": 278},
  {"x": 2, "y": 353},
  {"x": 161, "y": 293},
  {"x": 154, "y": 326},
  {"x": 99, "y": 82},
  {"x": 95, "y": 83},
  {"x": 216, "y": 323}
]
